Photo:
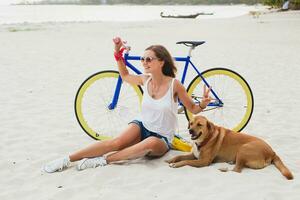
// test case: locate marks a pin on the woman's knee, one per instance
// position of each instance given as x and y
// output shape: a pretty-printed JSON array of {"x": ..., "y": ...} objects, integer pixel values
[{"x": 155, "y": 146}]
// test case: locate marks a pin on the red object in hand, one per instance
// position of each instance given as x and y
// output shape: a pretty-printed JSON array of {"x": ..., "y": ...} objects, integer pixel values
[{"x": 119, "y": 55}]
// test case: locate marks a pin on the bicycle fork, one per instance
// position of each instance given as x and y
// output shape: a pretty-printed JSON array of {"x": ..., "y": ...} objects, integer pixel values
[{"x": 115, "y": 98}]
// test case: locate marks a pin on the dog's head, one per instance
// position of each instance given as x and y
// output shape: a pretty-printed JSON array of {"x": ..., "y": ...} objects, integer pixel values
[{"x": 200, "y": 128}]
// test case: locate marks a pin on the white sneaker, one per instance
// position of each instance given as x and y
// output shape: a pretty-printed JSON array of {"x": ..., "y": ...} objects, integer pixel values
[
  {"x": 57, "y": 165},
  {"x": 91, "y": 163}
]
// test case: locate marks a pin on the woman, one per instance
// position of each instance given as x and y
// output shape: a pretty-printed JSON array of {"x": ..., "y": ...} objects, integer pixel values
[{"x": 150, "y": 134}]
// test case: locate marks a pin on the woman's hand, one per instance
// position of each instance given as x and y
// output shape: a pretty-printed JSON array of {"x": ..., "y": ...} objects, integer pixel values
[
  {"x": 118, "y": 44},
  {"x": 206, "y": 98}
]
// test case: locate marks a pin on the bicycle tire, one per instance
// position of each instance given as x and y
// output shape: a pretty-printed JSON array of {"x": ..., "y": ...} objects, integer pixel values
[
  {"x": 93, "y": 98},
  {"x": 238, "y": 104}
]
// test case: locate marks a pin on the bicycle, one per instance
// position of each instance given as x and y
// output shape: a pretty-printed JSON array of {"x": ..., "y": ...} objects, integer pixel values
[{"x": 104, "y": 104}]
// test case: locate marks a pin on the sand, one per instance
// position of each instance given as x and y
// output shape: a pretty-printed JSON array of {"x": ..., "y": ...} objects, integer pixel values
[{"x": 42, "y": 66}]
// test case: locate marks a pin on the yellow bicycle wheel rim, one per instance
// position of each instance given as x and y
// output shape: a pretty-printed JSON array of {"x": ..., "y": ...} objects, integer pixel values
[
  {"x": 241, "y": 82},
  {"x": 80, "y": 95}
]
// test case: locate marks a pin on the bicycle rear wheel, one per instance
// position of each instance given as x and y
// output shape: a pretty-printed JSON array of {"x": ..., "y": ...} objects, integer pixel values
[
  {"x": 234, "y": 92},
  {"x": 92, "y": 102}
]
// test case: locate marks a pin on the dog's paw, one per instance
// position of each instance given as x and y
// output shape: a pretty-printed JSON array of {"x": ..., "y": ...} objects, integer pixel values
[
  {"x": 170, "y": 161},
  {"x": 173, "y": 165}
]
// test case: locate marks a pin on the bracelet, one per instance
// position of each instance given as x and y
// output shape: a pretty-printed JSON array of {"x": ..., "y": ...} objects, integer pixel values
[{"x": 119, "y": 55}]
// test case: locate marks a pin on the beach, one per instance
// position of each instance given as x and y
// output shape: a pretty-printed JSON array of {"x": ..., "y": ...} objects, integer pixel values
[{"x": 43, "y": 64}]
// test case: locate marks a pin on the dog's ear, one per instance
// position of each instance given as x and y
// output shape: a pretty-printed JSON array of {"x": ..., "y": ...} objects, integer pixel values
[
  {"x": 210, "y": 127},
  {"x": 189, "y": 125}
]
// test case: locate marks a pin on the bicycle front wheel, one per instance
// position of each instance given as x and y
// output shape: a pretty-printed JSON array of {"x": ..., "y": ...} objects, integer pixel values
[
  {"x": 92, "y": 105},
  {"x": 234, "y": 92}
]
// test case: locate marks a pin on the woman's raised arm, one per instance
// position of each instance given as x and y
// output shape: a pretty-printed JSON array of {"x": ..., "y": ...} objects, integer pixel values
[{"x": 129, "y": 78}]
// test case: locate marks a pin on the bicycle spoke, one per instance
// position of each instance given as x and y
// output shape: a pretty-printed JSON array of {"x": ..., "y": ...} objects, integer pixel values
[
  {"x": 95, "y": 116},
  {"x": 235, "y": 111}
]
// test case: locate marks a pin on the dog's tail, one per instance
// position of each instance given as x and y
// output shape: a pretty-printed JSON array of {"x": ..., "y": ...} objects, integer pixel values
[{"x": 282, "y": 168}]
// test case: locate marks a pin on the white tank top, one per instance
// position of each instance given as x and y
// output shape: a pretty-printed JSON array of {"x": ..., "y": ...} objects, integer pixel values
[{"x": 160, "y": 115}]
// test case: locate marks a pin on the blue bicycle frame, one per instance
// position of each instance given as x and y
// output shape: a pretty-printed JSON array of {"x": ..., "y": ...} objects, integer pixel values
[{"x": 187, "y": 60}]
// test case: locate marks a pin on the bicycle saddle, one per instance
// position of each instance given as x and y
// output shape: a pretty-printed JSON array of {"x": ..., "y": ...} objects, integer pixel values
[{"x": 191, "y": 43}]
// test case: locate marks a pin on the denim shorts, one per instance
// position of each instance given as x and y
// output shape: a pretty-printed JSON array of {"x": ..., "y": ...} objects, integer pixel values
[{"x": 145, "y": 133}]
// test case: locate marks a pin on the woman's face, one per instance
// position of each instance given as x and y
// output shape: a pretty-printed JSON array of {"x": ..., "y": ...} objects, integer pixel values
[{"x": 151, "y": 63}]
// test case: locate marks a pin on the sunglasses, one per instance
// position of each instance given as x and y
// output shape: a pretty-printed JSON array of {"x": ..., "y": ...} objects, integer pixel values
[{"x": 148, "y": 59}]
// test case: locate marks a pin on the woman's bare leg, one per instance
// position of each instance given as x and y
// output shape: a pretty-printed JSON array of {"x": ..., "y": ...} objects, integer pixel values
[
  {"x": 130, "y": 136},
  {"x": 151, "y": 146}
]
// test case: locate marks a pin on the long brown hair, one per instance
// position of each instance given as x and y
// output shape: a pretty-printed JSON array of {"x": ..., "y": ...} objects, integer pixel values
[{"x": 169, "y": 68}]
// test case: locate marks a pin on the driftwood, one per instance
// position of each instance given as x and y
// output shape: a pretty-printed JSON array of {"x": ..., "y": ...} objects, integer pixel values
[{"x": 184, "y": 16}]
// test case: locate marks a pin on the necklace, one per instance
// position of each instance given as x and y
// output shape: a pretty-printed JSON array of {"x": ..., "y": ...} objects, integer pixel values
[{"x": 154, "y": 91}]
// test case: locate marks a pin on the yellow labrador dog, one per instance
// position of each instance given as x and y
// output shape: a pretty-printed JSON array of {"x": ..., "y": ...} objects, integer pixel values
[{"x": 212, "y": 143}]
